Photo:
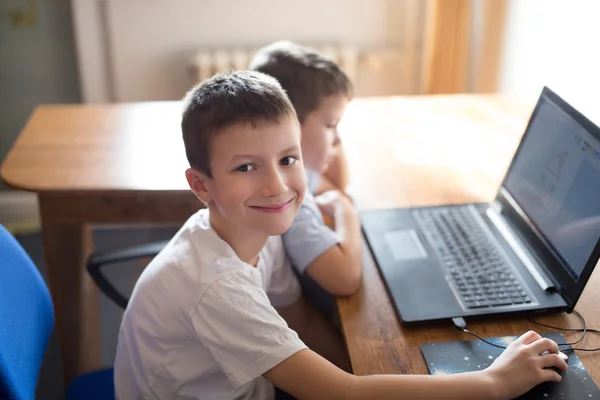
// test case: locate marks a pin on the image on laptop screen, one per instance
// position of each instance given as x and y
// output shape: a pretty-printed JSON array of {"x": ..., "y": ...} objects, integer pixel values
[{"x": 555, "y": 179}]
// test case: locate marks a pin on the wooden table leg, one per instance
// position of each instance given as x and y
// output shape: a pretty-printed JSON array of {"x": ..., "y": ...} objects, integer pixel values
[{"x": 75, "y": 296}]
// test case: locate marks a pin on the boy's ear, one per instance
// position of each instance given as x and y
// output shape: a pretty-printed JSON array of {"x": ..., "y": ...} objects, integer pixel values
[{"x": 198, "y": 184}]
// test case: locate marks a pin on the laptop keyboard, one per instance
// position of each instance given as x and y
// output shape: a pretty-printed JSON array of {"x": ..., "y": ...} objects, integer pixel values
[{"x": 480, "y": 275}]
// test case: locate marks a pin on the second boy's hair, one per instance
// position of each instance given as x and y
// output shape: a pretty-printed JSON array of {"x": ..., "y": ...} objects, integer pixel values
[
  {"x": 225, "y": 100},
  {"x": 307, "y": 76}
]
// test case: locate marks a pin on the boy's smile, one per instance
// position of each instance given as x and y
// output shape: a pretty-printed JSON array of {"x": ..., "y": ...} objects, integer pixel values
[{"x": 274, "y": 208}]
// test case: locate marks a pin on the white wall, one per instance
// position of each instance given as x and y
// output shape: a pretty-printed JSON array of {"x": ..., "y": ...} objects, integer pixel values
[
  {"x": 554, "y": 43},
  {"x": 163, "y": 37},
  {"x": 142, "y": 50}
]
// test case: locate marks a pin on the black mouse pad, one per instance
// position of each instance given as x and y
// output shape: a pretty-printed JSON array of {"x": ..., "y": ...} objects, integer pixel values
[{"x": 473, "y": 355}]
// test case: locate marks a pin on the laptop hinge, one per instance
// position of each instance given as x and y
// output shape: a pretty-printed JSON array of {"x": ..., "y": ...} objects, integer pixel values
[{"x": 532, "y": 266}]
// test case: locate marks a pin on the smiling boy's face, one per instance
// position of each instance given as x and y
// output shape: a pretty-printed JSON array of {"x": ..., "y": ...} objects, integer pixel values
[{"x": 258, "y": 179}]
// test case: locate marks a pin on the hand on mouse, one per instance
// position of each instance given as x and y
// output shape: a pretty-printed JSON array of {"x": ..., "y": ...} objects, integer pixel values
[{"x": 521, "y": 366}]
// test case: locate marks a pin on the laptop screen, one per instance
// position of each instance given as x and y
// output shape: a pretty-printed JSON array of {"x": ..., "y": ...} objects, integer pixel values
[{"x": 555, "y": 179}]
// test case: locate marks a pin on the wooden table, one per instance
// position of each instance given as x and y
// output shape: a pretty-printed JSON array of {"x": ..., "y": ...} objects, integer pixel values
[
  {"x": 96, "y": 164},
  {"x": 426, "y": 151},
  {"x": 124, "y": 163}
]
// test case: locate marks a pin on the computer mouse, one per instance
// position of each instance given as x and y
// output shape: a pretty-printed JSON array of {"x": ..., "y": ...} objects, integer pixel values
[{"x": 560, "y": 354}]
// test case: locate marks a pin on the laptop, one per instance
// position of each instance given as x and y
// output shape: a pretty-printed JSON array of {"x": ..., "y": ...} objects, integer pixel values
[{"x": 530, "y": 250}]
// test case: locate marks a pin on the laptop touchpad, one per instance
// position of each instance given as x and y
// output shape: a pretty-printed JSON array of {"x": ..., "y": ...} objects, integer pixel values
[{"x": 405, "y": 245}]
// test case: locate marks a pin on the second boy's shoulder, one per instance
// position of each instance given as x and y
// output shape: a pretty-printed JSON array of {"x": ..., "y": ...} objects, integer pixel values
[{"x": 308, "y": 237}]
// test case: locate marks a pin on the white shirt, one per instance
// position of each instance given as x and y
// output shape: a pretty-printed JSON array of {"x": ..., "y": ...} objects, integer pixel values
[{"x": 201, "y": 324}]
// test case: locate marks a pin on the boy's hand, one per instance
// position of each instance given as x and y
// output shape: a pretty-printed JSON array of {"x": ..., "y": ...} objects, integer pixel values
[
  {"x": 327, "y": 201},
  {"x": 521, "y": 366}
]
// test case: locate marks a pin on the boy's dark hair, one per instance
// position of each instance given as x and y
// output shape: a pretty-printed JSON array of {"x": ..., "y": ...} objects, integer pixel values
[
  {"x": 225, "y": 100},
  {"x": 307, "y": 76}
]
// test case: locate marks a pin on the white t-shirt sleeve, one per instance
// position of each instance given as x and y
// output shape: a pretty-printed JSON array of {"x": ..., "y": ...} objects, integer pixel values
[
  {"x": 244, "y": 333},
  {"x": 308, "y": 237}
]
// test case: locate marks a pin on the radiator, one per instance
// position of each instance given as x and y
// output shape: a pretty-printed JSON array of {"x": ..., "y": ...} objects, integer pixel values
[{"x": 352, "y": 60}]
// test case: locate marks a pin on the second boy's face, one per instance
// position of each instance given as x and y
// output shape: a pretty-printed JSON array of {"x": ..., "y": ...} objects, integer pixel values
[
  {"x": 258, "y": 179},
  {"x": 320, "y": 138}
]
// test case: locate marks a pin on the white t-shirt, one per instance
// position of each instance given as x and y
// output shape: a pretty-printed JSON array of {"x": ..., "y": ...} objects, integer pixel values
[{"x": 201, "y": 324}]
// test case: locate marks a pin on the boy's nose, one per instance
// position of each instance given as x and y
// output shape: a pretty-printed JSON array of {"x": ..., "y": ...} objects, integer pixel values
[{"x": 274, "y": 185}]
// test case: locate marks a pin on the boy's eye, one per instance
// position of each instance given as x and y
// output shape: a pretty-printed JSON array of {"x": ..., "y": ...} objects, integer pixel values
[
  {"x": 245, "y": 168},
  {"x": 289, "y": 160}
]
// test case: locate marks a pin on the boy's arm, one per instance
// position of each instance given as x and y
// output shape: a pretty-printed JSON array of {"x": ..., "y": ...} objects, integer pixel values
[
  {"x": 331, "y": 258},
  {"x": 316, "y": 332},
  {"x": 337, "y": 175},
  {"x": 306, "y": 375},
  {"x": 339, "y": 269}
]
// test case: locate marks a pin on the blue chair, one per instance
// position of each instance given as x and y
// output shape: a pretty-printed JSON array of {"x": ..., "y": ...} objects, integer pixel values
[{"x": 26, "y": 321}]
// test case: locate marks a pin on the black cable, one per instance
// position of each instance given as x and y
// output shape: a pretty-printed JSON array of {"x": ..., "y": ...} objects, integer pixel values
[
  {"x": 461, "y": 325},
  {"x": 585, "y": 329},
  {"x": 482, "y": 339},
  {"x": 578, "y": 349}
]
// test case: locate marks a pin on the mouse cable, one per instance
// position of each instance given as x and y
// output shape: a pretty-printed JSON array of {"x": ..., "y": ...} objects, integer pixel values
[
  {"x": 461, "y": 325},
  {"x": 585, "y": 329}
]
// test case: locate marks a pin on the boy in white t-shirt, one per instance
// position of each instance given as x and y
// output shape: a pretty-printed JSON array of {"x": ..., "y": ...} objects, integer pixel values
[{"x": 201, "y": 322}]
